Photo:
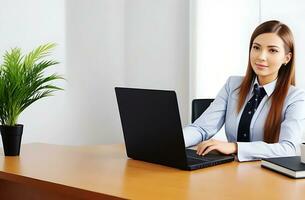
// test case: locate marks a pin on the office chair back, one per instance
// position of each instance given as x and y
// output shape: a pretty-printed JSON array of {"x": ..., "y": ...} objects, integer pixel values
[{"x": 199, "y": 106}]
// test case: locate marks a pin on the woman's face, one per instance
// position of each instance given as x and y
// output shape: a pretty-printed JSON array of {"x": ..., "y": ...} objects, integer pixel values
[{"x": 267, "y": 56}]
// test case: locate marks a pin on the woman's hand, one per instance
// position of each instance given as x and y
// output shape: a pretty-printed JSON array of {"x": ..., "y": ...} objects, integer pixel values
[{"x": 223, "y": 147}]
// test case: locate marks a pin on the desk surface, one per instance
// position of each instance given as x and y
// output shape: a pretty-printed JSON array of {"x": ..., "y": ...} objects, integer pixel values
[{"x": 105, "y": 169}]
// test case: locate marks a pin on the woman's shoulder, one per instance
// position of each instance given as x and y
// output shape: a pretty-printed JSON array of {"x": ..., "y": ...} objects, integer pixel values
[
  {"x": 233, "y": 82},
  {"x": 296, "y": 93},
  {"x": 295, "y": 102}
]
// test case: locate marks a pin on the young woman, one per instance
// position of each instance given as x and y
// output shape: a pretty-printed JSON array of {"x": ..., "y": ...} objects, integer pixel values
[{"x": 263, "y": 112}]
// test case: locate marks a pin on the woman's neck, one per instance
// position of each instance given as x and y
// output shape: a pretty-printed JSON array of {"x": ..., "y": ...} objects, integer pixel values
[{"x": 263, "y": 80}]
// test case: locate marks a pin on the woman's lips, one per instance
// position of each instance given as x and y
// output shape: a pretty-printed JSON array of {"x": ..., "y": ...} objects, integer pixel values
[{"x": 261, "y": 65}]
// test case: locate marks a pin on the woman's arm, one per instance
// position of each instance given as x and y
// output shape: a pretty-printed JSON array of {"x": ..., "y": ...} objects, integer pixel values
[{"x": 211, "y": 121}]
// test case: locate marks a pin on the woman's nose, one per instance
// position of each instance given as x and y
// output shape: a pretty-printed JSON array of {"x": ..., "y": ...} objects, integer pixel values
[{"x": 262, "y": 55}]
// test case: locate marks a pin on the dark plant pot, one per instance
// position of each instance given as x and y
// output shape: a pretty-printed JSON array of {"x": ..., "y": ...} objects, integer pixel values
[{"x": 11, "y": 139}]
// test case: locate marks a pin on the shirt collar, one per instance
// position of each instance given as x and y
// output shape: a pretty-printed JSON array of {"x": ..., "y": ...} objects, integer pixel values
[{"x": 269, "y": 88}]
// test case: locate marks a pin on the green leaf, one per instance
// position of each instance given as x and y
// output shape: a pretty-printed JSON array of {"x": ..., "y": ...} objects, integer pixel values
[{"x": 23, "y": 81}]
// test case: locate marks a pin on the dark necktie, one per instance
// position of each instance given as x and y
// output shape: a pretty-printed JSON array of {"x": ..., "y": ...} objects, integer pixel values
[{"x": 249, "y": 110}]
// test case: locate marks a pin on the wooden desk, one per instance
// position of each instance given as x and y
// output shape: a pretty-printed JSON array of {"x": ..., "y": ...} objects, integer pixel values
[{"x": 45, "y": 171}]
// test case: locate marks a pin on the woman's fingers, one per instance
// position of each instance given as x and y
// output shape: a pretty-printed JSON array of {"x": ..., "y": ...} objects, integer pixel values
[
  {"x": 210, "y": 148},
  {"x": 222, "y": 147},
  {"x": 202, "y": 146}
]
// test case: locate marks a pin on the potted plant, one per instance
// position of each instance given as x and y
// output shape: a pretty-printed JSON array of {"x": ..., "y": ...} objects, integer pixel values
[{"x": 22, "y": 82}]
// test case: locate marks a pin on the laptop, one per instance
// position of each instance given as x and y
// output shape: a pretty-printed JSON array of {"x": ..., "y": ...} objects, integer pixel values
[{"x": 153, "y": 133}]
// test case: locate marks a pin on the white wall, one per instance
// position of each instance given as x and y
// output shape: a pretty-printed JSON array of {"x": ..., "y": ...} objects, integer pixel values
[
  {"x": 157, "y": 46},
  {"x": 101, "y": 44},
  {"x": 95, "y": 64}
]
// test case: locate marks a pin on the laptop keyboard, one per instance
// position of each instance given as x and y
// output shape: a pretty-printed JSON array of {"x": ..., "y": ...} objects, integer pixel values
[
  {"x": 190, "y": 153},
  {"x": 208, "y": 160}
]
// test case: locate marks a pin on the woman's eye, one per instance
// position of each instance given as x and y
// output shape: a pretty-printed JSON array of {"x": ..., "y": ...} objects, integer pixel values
[
  {"x": 273, "y": 51},
  {"x": 255, "y": 47}
]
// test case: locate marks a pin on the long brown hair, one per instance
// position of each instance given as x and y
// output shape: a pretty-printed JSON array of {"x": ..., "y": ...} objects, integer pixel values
[{"x": 286, "y": 77}]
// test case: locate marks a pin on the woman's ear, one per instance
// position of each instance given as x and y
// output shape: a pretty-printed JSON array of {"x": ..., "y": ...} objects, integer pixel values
[{"x": 287, "y": 58}]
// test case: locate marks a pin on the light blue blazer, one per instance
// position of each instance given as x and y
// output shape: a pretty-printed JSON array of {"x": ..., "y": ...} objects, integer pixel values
[{"x": 223, "y": 112}]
